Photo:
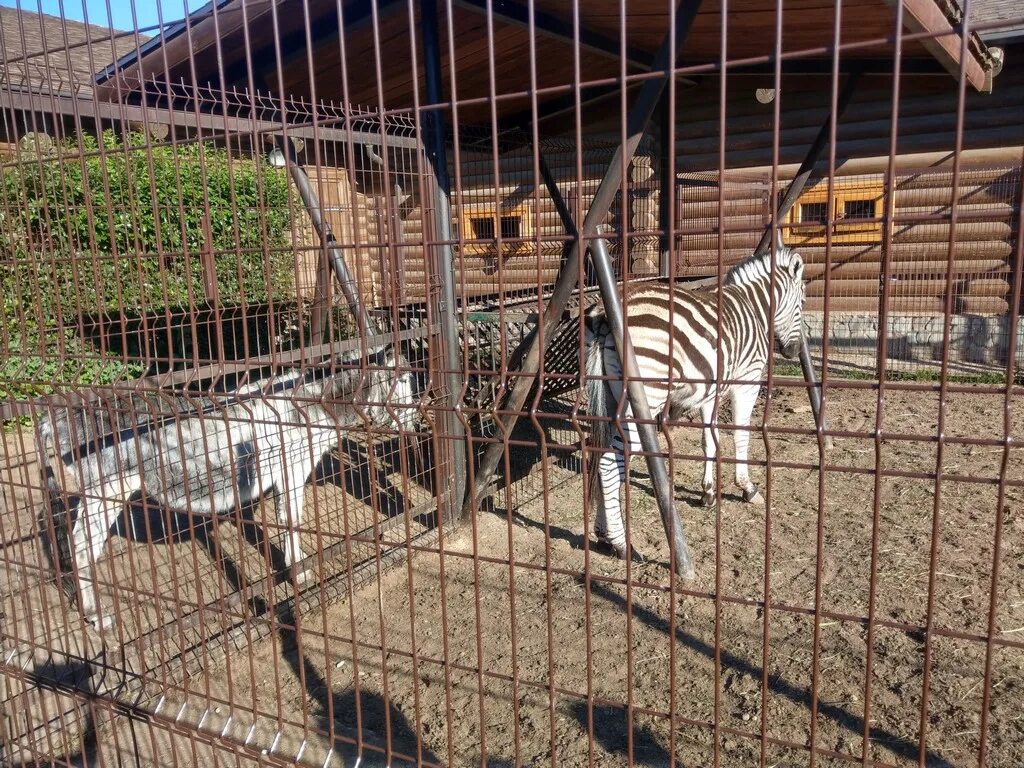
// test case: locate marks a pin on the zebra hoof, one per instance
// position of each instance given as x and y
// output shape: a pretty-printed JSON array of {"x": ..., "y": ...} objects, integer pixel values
[
  {"x": 753, "y": 496},
  {"x": 708, "y": 499},
  {"x": 618, "y": 551}
]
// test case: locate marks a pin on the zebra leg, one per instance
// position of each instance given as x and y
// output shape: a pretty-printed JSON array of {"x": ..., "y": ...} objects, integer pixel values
[
  {"x": 608, "y": 523},
  {"x": 608, "y": 526},
  {"x": 743, "y": 399},
  {"x": 710, "y": 445},
  {"x": 91, "y": 533},
  {"x": 291, "y": 519}
]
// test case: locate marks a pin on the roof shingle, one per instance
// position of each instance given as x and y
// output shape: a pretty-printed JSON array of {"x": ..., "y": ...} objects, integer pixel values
[{"x": 48, "y": 54}]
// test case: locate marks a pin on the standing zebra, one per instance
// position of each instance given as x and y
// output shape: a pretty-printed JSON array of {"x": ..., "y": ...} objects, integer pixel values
[{"x": 674, "y": 329}]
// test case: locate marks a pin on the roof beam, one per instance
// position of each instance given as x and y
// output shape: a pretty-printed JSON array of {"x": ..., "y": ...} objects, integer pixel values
[
  {"x": 559, "y": 29},
  {"x": 560, "y": 105},
  {"x": 323, "y": 31},
  {"x": 945, "y": 43},
  {"x": 908, "y": 66},
  {"x": 217, "y": 125}
]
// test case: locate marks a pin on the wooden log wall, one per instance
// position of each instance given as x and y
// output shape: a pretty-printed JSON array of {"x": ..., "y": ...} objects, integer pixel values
[
  {"x": 382, "y": 244},
  {"x": 927, "y": 118},
  {"x": 386, "y": 248},
  {"x": 984, "y": 238}
]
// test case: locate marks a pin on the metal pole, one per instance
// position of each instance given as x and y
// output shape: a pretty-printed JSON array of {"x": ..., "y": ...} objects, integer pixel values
[
  {"x": 634, "y": 387},
  {"x": 444, "y": 255},
  {"x": 663, "y": 485},
  {"x": 334, "y": 254},
  {"x": 636, "y": 122},
  {"x": 793, "y": 191},
  {"x": 559, "y": 202},
  {"x": 666, "y": 182}
]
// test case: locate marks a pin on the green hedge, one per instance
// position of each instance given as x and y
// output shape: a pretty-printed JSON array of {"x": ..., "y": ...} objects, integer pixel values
[{"x": 84, "y": 233}]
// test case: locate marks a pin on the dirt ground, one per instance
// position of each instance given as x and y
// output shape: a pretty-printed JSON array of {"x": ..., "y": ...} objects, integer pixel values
[{"x": 459, "y": 660}]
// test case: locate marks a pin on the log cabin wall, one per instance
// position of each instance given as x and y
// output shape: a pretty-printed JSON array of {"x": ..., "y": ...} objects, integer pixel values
[
  {"x": 984, "y": 236},
  {"x": 377, "y": 224},
  {"x": 383, "y": 237}
]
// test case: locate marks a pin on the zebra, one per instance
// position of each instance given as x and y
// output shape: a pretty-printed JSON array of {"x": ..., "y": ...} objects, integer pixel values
[
  {"x": 265, "y": 437},
  {"x": 689, "y": 347}
]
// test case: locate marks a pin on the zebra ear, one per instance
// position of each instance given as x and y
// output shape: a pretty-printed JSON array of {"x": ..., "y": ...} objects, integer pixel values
[{"x": 796, "y": 265}]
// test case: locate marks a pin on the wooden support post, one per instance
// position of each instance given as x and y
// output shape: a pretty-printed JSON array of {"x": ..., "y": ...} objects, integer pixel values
[
  {"x": 793, "y": 191},
  {"x": 636, "y": 123}
]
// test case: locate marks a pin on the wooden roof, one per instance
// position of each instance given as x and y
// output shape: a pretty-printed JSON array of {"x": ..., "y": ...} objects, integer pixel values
[
  {"x": 40, "y": 53},
  {"x": 266, "y": 45},
  {"x": 998, "y": 19}
]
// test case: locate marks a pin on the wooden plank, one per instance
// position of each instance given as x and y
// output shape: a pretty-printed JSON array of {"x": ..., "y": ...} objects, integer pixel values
[
  {"x": 926, "y": 16},
  {"x": 840, "y": 273},
  {"x": 986, "y": 305},
  {"x": 966, "y": 251},
  {"x": 871, "y": 151},
  {"x": 915, "y": 286},
  {"x": 937, "y": 121}
]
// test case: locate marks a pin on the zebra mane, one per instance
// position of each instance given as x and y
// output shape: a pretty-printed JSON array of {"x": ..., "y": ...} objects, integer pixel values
[{"x": 759, "y": 265}]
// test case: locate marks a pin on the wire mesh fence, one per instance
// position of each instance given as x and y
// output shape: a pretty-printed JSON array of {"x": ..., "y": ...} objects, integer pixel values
[{"x": 375, "y": 376}]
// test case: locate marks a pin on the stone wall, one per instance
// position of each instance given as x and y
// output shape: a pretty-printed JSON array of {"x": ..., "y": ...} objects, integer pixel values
[{"x": 980, "y": 339}]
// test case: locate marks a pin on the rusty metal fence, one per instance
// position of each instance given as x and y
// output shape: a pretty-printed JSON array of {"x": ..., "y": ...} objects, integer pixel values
[{"x": 302, "y": 457}]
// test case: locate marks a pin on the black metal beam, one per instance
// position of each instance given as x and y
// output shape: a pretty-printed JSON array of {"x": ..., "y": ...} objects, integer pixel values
[
  {"x": 559, "y": 29},
  {"x": 334, "y": 254},
  {"x": 664, "y": 487},
  {"x": 823, "y": 67},
  {"x": 636, "y": 123},
  {"x": 796, "y": 186},
  {"x": 444, "y": 256}
]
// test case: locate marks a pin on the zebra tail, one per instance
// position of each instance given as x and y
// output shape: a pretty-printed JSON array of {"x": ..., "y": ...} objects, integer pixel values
[{"x": 598, "y": 394}]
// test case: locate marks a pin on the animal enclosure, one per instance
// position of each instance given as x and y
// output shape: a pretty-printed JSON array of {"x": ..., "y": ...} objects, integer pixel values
[{"x": 331, "y": 330}]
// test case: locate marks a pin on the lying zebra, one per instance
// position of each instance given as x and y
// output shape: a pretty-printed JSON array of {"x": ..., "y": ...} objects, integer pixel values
[
  {"x": 266, "y": 436},
  {"x": 689, "y": 346}
]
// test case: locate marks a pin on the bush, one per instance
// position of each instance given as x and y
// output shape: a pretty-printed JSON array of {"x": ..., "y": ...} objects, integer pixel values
[{"x": 85, "y": 234}]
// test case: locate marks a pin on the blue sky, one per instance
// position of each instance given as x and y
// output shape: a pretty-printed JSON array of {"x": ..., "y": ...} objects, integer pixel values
[{"x": 120, "y": 16}]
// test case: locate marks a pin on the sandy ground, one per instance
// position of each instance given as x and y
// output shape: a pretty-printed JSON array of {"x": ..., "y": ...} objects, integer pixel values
[{"x": 539, "y": 651}]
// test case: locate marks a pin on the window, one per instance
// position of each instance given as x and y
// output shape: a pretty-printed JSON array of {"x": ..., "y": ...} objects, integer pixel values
[
  {"x": 481, "y": 223},
  {"x": 511, "y": 226},
  {"x": 482, "y": 228},
  {"x": 854, "y": 214},
  {"x": 814, "y": 212}
]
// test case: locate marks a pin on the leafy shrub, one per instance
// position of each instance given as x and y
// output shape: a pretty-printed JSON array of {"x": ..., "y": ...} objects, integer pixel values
[{"x": 85, "y": 233}]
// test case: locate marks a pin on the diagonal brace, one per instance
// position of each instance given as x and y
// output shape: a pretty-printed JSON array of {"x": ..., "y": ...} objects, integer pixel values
[
  {"x": 636, "y": 122},
  {"x": 793, "y": 191}
]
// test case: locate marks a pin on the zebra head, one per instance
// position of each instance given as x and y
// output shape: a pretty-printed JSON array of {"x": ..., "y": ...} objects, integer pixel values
[
  {"x": 383, "y": 389},
  {"x": 786, "y": 281},
  {"x": 789, "y": 301}
]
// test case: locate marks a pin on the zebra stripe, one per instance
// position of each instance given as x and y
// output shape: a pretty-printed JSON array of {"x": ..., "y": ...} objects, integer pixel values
[{"x": 677, "y": 339}]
